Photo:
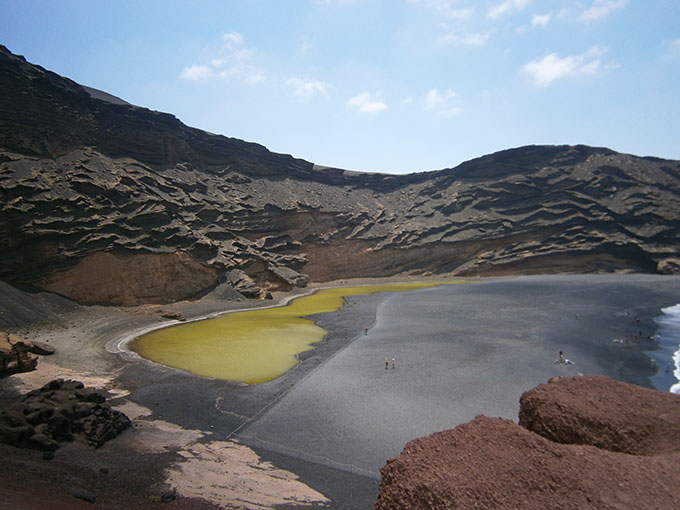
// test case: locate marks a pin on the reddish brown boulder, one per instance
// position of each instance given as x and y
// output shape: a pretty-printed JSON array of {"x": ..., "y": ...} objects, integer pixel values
[
  {"x": 491, "y": 463},
  {"x": 599, "y": 411}
]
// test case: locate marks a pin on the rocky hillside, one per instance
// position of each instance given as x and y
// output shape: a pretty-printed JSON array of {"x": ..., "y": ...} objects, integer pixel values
[
  {"x": 583, "y": 443},
  {"x": 104, "y": 201}
]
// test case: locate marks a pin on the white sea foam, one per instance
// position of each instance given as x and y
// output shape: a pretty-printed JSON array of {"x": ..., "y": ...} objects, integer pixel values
[{"x": 670, "y": 329}]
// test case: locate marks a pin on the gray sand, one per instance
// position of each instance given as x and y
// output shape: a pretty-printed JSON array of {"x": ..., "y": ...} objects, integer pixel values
[{"x": 460, "y": 351}]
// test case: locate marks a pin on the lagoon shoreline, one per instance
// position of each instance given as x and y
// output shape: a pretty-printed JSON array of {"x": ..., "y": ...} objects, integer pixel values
[{"x": 221, "y": 410}]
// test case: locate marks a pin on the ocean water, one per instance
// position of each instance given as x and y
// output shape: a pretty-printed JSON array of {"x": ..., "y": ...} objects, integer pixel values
[{"x": 667, "y": 357}]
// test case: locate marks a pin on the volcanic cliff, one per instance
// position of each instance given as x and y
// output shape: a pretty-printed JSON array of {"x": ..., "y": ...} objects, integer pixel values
[{"x": 108, "y": 202}]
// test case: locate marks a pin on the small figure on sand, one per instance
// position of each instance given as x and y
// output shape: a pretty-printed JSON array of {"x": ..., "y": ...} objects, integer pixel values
[
  {"x": 394, "y": 363},
  {"x": 387, "y": 363},
  {"x": 562, "y": 359},
  {"x": 365, "y": 331}
]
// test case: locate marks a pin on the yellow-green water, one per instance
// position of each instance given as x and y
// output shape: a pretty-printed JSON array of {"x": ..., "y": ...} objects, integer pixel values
[{"x": 252, "y": 346}]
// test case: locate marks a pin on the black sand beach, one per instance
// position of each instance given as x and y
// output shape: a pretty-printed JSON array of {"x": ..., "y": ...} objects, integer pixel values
[{"x": 461, "y": 350}]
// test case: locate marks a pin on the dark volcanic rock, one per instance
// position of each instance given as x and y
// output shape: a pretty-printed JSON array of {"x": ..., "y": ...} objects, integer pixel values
[
  {"x": 591, "y": 463},
  {"x": 57, "y": 412},
  {"x": 83, "y": 174}
]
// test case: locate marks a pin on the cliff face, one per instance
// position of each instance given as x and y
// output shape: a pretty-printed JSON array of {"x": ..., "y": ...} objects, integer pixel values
[
  {"x": 82, "y": 173},
  {"x": 583, "y": 443}
]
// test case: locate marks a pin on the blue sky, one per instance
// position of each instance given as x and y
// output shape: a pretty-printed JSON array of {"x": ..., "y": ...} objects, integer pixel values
[{"x": 378, "y": 85}]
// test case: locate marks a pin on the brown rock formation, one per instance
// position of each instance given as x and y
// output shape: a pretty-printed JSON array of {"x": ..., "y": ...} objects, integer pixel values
[
  {"x": 605, "y": 413},
  {"x": 591, "y": 460},
  {"x": 82, "y": 173},
  {"x": 130, "y": 280},
  {"x": 15, "y": 355},
  {"x": 58, "y": 412}
]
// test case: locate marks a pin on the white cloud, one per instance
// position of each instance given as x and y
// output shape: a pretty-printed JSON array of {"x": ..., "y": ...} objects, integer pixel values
[
  {"x": 673, "y": 50},
  {"x": 233, "y": 38},
  {"x": 332, "y": 2},
  {"x": 465, "y": 39},
  {"x": 542, "y": 72},
  {"x": 197, "y": 73},
  {"x": 306, "y": 89},
  {"x": 367, "y": 103},
  {"x": 445, "y": 104},
  {"x": 507, "y": 6},
  {"x": 446, "y": 8},
  {"x": 675, "y": 46},
  {"x": 540, "y": 20},
  {"x": 234, "y": 61},
  {"x": 602, "y": 8}
]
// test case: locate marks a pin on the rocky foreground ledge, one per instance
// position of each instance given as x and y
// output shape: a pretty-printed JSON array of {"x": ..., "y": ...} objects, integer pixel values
[{"x": 582, "y": 443}]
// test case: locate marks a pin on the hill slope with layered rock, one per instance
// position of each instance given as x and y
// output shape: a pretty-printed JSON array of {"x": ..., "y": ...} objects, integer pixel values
[{"x": 108, "y": 202}]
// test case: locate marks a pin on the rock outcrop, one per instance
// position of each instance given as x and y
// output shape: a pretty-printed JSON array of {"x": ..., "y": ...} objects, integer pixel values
[
  {"x": 17, "y": 354},
  {"x": 582, "y": 443},
  {"x": 60, "y": 411},
  {"x": 85, "y": 177}
]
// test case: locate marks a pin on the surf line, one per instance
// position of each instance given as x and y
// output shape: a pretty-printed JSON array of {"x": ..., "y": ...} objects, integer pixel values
[{"x": 667, "y": 357}]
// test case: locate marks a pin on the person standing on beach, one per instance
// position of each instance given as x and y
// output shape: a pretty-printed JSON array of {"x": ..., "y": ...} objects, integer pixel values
[
  {"x": 387, "y": 363},
  {"x": 394, "y": 363}
]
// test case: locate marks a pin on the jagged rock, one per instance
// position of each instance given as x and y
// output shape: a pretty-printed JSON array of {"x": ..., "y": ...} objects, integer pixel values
[
  {"x": 491, "y": 463},
  {"x": 83, "y": 175},
  {"x": 243, "y": 284},
  {"x": 15, "y": 355},
  {"x": 57, "y": 412},
  {"x": 160, "y": 312},
  {"x": 671, "y": 265},
  {"x": 290, "y": 277},
  {"x": 41, "y": 348}
]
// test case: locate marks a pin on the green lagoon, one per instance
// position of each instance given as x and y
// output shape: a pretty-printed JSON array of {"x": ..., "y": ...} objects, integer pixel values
[{"x": 252, "y": 346}]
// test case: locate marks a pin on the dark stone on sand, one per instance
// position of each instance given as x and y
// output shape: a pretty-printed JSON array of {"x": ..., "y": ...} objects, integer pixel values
[
  {"x": 60, "y": 411},
  {"x": 85, "y": 496},
  {"x": 167, "y": 497},
  {"x": 41, "y": 348},
  {"x": 15, "y": 355}
]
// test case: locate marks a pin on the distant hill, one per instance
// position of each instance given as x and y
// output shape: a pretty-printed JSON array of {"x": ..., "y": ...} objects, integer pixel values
[{"x": 104, "y": 201}]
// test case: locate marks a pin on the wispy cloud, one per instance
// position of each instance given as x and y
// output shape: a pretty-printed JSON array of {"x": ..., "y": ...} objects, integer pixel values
[
  {"x": 507, "y": 6},
  {"x": 446, "y": 104},
  {"x": 540, "y": 20},
  {"x": 197, "y": 73},
  {"x": 367, "y": 103},
  {"x": 332, "y": 2},
  {"x": 673, "y": 50},
  {"x": 446, "y": 8},
  {"x": 602, "y": 8},
  {"x": 675, "y": 46},
  {"x": 542, "y": 72},
  {"x": 307, "y": 89},
  {"x": 234, "y": 60},
  {"x": 464, "y": 39}
]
